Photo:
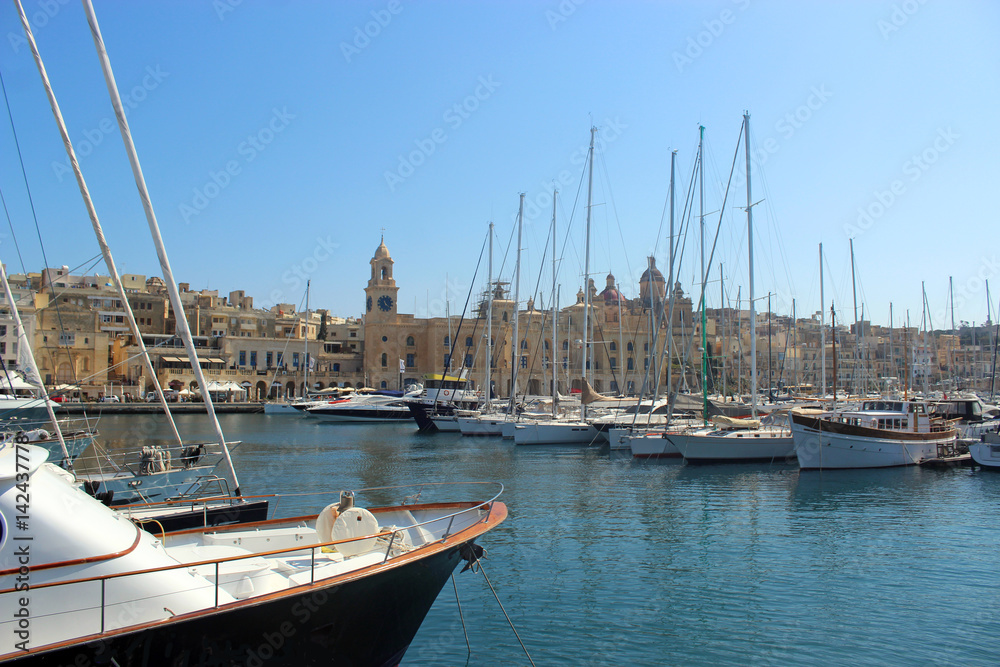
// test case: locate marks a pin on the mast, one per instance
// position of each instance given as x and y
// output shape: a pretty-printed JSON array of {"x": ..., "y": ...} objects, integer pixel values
[
  {"x": 906, "y": 358},
  {"x": 753, "y": 313},
  {"x": 305, "y": 360},
  {"x": 704, "y": 277},
  {"x": 586, "y": 273},
  {"x": 951, "y": 346},
  {"x": 926, "y": 317},
  {"x": 31, "y": 368},
  {"x": 857, "y": 329},
  {"x": 822, "y": 326},
  {"x": 770, "y": 373},
  {"x": 515, "y": 346},
  {"x": 833, "y": 334},
  {"x": 892, "y": 356},
  {"x": 722, "y": 324},
  {"x": 555, "y": 321},
  {"x": 168, "y": 275},
  {"x": 96, "y": 224},
  {"x": 795, "y": 347},
  {"x": 669, "y": 343},
  {"x": 489, "y": 324}
]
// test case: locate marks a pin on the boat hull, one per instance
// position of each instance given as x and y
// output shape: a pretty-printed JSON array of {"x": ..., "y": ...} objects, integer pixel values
[
  {"x": 370, "y": 620},
  {"x": 481, "y": 426},
  {"x": 651, "y": 446},
  {"x": 542, "y": 433},
  {"x": 986, "y": 454},
  {"x": 824, "y": 445},
  {"x": 373, "y": 414},
  {"x": 731, "y": 447}
]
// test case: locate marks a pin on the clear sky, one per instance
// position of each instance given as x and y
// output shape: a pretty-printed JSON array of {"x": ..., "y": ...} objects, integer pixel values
[{"x": 279, "y": 139}]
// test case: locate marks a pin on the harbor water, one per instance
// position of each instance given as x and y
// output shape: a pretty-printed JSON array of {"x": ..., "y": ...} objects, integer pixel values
[{"x": 609, "y": 561}]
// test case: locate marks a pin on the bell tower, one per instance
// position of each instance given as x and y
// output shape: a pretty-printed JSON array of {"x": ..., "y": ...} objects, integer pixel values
[{"x": 380, "y": 295}]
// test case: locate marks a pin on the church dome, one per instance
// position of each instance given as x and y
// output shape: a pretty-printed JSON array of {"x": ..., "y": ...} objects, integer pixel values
[
  {"x": 611, "y": 293},
  {"x": 651, "y": 274},
  {"x": 381, "y": 252}
]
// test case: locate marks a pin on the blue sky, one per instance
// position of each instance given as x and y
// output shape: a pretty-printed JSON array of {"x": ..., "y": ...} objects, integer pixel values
[{"x": 278, "y": 139}]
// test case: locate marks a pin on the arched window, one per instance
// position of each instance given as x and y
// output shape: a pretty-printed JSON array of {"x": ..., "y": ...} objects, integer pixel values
[
  {"x": 613, "y": 346},
  {"x": 629, "y": 346},
  {"x": 565, "y": 344},
  {"x": 505, "y": 316},
  {"x": 385, "y": 272},
  {"x": 447, "y": 341},
  {"x": 384, "y": 385},
  {"x": 524, "y": 344},
  {"x": 468, "y": 341},
  {"x": 385, "y": 360},
  {"x": 410, "y": 342}
]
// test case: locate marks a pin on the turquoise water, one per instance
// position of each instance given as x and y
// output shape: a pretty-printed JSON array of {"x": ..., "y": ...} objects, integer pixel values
[{"x": 606, "y": 560}]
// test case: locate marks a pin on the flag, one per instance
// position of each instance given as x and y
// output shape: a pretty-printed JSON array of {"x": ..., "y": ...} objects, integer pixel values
[
  {"x": 402, "y": 366},
  {"x": 26, "y": 362}
]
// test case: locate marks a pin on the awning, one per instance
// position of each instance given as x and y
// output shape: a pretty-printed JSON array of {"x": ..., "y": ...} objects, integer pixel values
[
  {"x": 211, "y": 360},
  {"x": 172, "y": 360}
]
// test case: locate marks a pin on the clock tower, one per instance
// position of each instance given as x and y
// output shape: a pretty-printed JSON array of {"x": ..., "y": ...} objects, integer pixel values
[{"x": 380, "y": 295}]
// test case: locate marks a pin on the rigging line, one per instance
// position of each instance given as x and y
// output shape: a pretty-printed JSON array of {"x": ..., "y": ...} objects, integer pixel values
[
  {"x": 458, "y": 330},
  {"x": 12, "y": 234},
  {"x": 572, "y": 214},
  {"x": 31, "y": 201},
  {"x": 772, "y": 218},
  {"x": 461, "y": 615},
  {"x": 509, "y": 622},
  {"x": 614, "y": 209}
]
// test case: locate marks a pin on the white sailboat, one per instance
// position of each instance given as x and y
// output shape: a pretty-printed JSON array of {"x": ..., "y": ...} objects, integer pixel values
[
  {"x": 571, "y": 431},
  {"x": 737, "y": 440}
]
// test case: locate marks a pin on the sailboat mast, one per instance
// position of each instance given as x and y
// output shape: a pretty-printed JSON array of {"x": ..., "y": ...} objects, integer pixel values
[
  {"x": 833, "y": 334},
  {"x": 96, "y": 225},
  {"x": 489, "y": 322},
  {"x": 753, "y": 312},
  {"x": 31, "y": 373},
  {"x": 514, "y": 348},
  {"x": 555, "y": 321},
  {"x": 305, "y": 336},
  {"x": 586, "y": 271},
  {"x": 722, "y": 324},
  {"x": 168, "y": 275},
  {"x": 669, "y": 343},
  {"x": 857, "y": 329},
  {"x": 822, "y": 327},
  {"x": 704, "y": 277}
]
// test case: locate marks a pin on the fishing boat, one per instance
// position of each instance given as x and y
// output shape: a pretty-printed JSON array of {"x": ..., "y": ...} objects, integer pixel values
[
  {"x": 881, "y": 434},
  {"x": 346, "y": 585}
]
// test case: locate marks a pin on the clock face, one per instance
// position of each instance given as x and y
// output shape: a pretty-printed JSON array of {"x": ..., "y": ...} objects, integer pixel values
[
  {"x": 369, "y": 304},
  {"x": 385, "y": 303}
]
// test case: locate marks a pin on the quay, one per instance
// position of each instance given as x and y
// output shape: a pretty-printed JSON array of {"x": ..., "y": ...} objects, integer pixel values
[{"x": 155, "y": 408}]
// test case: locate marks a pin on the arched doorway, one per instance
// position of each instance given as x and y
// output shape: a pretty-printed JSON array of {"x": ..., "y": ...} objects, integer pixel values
[
  {"x": 290, "y": 390},
  {"x": 260, "y": 390}
]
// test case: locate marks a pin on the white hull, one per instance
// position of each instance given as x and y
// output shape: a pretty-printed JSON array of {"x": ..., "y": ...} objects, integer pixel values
[
  {"x": 652, "y": 446},
  {"x": 280, "y": 409},
  {"x": 555, "y": 433},
  {"x": 484, "y": 426},
  {"x": 823, "y": 450},
  {"x": 986, "y": 454},
  {"x": 737, "y": 446},
  {"x": 370, "y": 416},
  {"x": 446, "y": 423}
]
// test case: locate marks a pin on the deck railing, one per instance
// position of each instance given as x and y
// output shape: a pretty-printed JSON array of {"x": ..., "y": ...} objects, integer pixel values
[{"x": 100, "y": 583}]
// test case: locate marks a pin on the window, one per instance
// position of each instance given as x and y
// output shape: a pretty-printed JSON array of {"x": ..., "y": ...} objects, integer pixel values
[
  {"x": 411, "y": 360},
  {"x": 253, "y": 358},
  {"x": 270, "y": 359},
  {"x": 410, "y": 342},
  {"x": 630, "y": 364},
  {"x": 468, "y": 361},
  {"x": 468, "y": 341},
  {"x": 336, "y": 367},
  {"x": 385, "y": 360},
  {"x": 645, "y": 364},
  {"x": 3, "y": 347},
  {"x": 546, "y": 345},
  {"x": 295, "y": 360},
  {"x": 67, "y": 339},
  {"x": 447, "y": 361},
  {"x": 280, "y": 358},
  {"x": 447, "y": 341},
  {"x": 243, "y": 357},
  {"x": 384, "y": 385},
  {"x": 613, "y": 346},
  {"x": 613, "y": 361},
  {"x": 645, "y": 347},
  {"x": 524, "y": 344},
  {"x": 565, "y": 362},
  {"x": 3, "y": 329},
  {"x": 524, "y": 362},
  {"x": 565, "y": 344},
  {"x": 629, "y": 347}
]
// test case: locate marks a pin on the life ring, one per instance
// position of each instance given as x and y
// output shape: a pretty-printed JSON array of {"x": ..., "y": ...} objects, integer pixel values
[{"x": 446, "y": 392}]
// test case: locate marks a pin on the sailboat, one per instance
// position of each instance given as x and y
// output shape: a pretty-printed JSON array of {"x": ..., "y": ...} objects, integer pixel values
[
  {"x": 732, "y": 440},
  {"x": 569, "y": 431}
]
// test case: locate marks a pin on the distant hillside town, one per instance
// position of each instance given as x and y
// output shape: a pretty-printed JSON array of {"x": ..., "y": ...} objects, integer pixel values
[{"x": 84, "y": 349}]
